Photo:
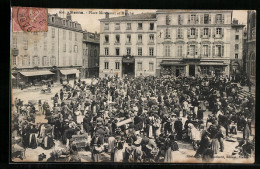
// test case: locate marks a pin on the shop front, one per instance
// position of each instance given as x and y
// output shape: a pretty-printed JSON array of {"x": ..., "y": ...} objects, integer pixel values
[
  {"x": 35, "y": 77},
  {"x": 169, "y": 68},
  {"x": 128, "y": 65},
  {"x": 70, "y": 74}
]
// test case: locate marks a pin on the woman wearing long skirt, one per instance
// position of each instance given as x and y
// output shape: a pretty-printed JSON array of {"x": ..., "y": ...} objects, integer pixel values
[
  {"x": 119, "y": 153},
  {"x": 172, "y": 153}
]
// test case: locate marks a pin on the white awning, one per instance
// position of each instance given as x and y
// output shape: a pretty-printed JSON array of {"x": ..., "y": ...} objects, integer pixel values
[
  {"x": 37, "y": 73},
  {"x": 213, "y": 64},
  {"x": 69, "y": 71}
]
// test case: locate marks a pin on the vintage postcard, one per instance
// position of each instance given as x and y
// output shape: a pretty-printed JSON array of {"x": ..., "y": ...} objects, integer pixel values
[{"x": 133, "y": 86}]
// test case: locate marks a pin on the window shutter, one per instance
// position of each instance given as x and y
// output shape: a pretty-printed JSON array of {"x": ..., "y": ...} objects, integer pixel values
[
  {"x": 196, "y": 32},
  {"x": 188, "y": 32},
  {"x": 201, "y": 32},
  {"x": 188, "y": 49},
  {"x": 214, "y": 32},
  {"x": 197, "y": 19},
  {"x": 215, "y": 18},
  {"x": 181, "y": 32},
  {"x": 189, "y": 19},
  {"x": 196, "y": 49},
  {"x": 43, "y": 60},
  {"x": 213, "y": 50},
  {"x": 209, "y": 19},
  {"x": 201, "y": 50},
  {"x": 209, "y": 32},
  {"x": 209, "y": 50},
  {"x": 181, "y": 19},
  {"x": 222, "y": 51},
  {"x": 201, "y": 19},
  {"x": 222, "y": 31},
  {"x": 223, "y": 18}
]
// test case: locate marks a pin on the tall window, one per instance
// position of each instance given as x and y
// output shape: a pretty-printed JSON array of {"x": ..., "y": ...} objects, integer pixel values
[
  {"x": 236, "y": 46},
  {"x": 53, "y": 32},
  {"x": 139, "y": 51},
  {"x": 106, "y": 26},
  {"x": 179, "y": 33},
  {"x": 117, "y": 38},
  {"x": 64, "y": 34},
  {"x": 236, "y": 56},
  {"x": 128, "y": 38},
  {"x": 151, "y": 51},
  {"x": 35, "y": 61},
  {"x": 95, "y": 53},
  {"x": 140, "y": 26},
  {"x": 53, "y": 61},
  {"x": 25, "y": 44},
  {"x": 128, "y": 26},
  {"x": 117, "y": 51},
  {"x": 167, "y": 34},
  {"x": 14, "y": 42},
  {"x": 106, "y": 51},
  {"x": 218, "y": 52},
  {"x": 180, "y": 20},
  {"x": 219, "y": 31},
  {"x": 35, "y": 46},
  {"x": 167, "y": 20},
  {"x": 76, "y": 48},
  {"x": 117, "y": 65},
  {"x": 70, "y": 46},
  {"x": 106, "y": 38},
  {"x": 180, "y": 50},
  {"x": 218, "y": 18},
  {"x": 192, "y": 50},
  {"x": 45, "y": 61},
  {"x": 106, "y": 65},
  {"x": 151, "y": 66},
  {"x": 192, "y": 19},
  {"x": 45, "y": 46},
  {"x": 237, "y": 37},
  {"x": 206, "y": 18},
  {"x": 52, "y": 47},
  {"x": 76, "y": 38},
  {"x": 26, "y": 60},
  {"x": 151, "y": 26},
  {"x": 167, "y": 50},
  {"x": 128, "y": 51},
  {"x": 139, "y": 66},
  {"x": 117, "y": 26},
  {"x": 206, "y": 31},
  {"x": 151, "y": 38},
  {"x": 205, "y": 50},
  {"x": 192, "y": 31},
  {"x": 64, "y": 47},
  {"x": 14, "y": 60},
  {"x": 140, "y": 38},
  {"x": 70, "y": 35}
]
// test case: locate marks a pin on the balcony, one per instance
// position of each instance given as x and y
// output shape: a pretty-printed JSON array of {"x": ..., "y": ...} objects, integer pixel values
[
  {"x": 117, "y": 43},
  {"x": 128, "y": 43},
  {"x": 106, "y": 43}
]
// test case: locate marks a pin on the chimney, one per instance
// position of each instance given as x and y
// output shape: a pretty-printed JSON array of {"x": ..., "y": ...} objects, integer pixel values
[
  {"x": 126, "y": 13},
  {"x": 107, "y": 15},
  {"x": 68, "y": 16}
]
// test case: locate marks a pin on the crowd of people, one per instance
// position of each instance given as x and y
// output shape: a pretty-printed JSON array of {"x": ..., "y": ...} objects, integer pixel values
[{"x": 141, "y": 119}]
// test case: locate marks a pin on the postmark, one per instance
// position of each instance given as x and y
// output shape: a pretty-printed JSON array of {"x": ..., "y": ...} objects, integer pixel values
[{"x": 30, "y": 19}]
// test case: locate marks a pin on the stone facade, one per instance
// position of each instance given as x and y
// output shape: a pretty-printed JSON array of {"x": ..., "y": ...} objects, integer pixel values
[
  {"x": 58, "y": 48},
  {"x": 197, "y": 42},
  {"x": 251, "y": 46},
  {"x": 128, "y": 36}
]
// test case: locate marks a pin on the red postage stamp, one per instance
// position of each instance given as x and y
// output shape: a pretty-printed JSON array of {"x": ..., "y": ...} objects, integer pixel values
[{"x": 29, "y": 19}]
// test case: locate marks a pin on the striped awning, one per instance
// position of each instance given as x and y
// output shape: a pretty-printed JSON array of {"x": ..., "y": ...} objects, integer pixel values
[
  {"x": 37, "y": 73},
  {"x": 69, "y": 71}
]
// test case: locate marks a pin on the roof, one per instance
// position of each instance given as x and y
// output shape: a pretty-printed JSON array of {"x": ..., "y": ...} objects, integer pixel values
[
  {"x": 191, "y": 11},
  {"x": 137, "y": 17}
]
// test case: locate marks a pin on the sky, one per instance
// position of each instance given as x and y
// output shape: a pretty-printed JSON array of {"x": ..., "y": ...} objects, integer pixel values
[{"x": 89, "y": 18}]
